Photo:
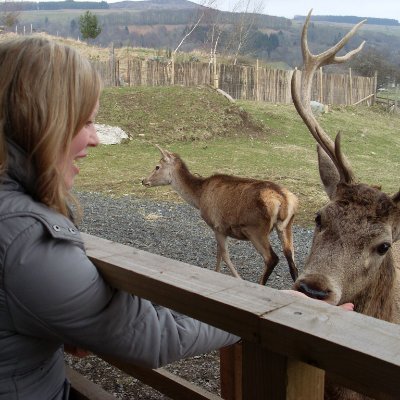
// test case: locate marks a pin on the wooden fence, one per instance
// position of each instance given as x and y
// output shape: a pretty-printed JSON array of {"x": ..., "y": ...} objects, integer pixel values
[
  {"x": 391, "y": 105},
  {"x": 287, "y": 342},
  {"x": 240, "y": 82}
]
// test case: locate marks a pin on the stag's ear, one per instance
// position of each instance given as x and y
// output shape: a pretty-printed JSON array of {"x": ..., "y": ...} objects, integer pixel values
[
  {"x": 167, "y": 156},
  {"x": 396, "y": 230},
  {"x": 328, "y": 172}
]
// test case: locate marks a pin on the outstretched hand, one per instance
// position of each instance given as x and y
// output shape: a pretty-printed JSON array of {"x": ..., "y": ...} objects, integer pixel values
[
  {"x": 76, "y": 351},
  {"x": 345, "y": 306}
]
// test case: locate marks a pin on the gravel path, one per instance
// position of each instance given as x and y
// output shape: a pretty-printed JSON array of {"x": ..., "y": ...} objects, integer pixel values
[{"x": 178, "y": 232}]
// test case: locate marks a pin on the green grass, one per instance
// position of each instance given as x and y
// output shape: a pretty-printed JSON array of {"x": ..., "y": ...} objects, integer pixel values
[
  {"x": 259, "y": 140},
  {"x": 390, "y": 94}
]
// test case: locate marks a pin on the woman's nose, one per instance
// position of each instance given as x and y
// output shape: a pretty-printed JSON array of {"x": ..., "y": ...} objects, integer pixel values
[{"x": 94, "y": 138}]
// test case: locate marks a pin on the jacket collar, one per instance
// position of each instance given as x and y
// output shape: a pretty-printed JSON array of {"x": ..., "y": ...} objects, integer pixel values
[{"x": 19, "y": 168}]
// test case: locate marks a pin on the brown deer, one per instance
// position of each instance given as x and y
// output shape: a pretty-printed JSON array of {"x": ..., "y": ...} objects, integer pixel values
[
  {"x": 351, "y": 256},
  {"x": 241, "y": 208}
]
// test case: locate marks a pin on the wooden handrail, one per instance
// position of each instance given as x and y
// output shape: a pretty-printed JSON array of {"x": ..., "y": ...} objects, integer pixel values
[
  {"x": 164, "y": 381},
  {"x": 361, "y": 352},
  {"x": 83, "y": 389}
]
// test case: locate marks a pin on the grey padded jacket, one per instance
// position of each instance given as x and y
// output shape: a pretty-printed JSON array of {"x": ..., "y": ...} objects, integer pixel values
[{"x": 50, "y": 294}]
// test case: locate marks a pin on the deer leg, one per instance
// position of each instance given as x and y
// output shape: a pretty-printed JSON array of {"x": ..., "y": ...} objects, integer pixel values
[
  {"x": 222, "y": 252},
  {"x": 261, "y": 243},
  {"x": 286, "y": 237},
  {"x": 219, "y": 257}
]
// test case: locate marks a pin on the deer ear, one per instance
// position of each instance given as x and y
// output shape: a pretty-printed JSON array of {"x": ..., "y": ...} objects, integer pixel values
[
  {"x": 328, "y": 172},
  {"x": 167, "y": 156},
  {"x": 396, "y": 231}
]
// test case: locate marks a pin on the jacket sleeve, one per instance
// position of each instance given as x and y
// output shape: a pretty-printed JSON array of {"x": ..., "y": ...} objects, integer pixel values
[{"x": 54, "y": 292}]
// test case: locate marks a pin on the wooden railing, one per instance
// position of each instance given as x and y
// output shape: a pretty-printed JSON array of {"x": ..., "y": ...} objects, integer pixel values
[{"x": 288, "y": 342}]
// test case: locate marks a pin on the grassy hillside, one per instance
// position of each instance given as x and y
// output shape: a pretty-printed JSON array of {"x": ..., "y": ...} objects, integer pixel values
[{"x": 260, "y": 140}]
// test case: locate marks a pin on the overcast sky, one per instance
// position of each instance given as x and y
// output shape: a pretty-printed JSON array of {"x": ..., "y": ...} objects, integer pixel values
[{"x": 289, "y": 8}]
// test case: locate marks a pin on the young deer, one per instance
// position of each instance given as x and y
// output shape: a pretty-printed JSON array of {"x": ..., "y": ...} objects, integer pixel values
[
  {"x": 351, "y": 257},
  {"x": 241, "y": 208}
]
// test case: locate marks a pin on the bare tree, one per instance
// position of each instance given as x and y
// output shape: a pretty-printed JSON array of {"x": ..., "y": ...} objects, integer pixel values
[
  {"x": 9, "y": 14},
  {"x": 201, "y": 12},
  {"x": 214, "y": 36},
  {"x": 243, "y": 25}
]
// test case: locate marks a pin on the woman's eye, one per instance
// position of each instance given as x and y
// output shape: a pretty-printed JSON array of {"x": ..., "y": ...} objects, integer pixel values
[{"x": 383, "y": 248}]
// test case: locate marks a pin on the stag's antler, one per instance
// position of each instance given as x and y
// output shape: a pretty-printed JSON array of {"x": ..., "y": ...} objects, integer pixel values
[{"x": 301, "y": 94}]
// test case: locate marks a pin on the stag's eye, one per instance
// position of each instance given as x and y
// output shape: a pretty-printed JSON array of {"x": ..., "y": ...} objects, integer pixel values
[
  {"x": 318, "y": 220},
  {"x": 383, "y": 248},
  {"x": 157, "y": 167}
]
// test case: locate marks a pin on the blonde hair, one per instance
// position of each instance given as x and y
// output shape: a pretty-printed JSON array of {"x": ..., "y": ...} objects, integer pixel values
[{"x": 47, "y": 93}]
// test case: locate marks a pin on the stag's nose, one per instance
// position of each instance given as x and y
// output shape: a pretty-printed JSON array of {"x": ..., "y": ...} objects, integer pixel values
[{"x": 311, "y": 291}]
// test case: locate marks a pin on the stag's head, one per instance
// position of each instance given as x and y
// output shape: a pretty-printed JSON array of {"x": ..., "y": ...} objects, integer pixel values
[
  {"x": 350, "y": 254},
  {"x": 162, "y": 174}
]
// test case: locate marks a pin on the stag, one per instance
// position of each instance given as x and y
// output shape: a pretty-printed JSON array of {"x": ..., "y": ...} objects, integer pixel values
[
  {"x": 351, "y": 258},
  {"x": 241, "y": 208}
]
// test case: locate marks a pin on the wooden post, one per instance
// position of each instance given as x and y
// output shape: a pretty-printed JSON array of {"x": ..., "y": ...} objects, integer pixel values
[
  {"x": 172, "y": 69},
  {"x": 268, "y": 375},
  {"x": 144, "y": 67},
  {"x": 257, "y": 86},
  {"x": 321, "y": 92},
  {"x": 128, "y": 73},
  {"x": 231, "y": 372},
  {"x": 216, "y": 83},
  {"x": 251, "y": 373},
  {"x": 375, "y": 84},
  {"x": 351, "y": 87},
  {"x": 112, "y": 65}
]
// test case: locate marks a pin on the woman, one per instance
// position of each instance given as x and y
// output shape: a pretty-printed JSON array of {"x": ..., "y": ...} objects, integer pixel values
[{"x": 50, "y": 293}]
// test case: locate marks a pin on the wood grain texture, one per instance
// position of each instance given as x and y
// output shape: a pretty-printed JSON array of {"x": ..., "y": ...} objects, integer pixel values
[{"x": 363, "y": 352}]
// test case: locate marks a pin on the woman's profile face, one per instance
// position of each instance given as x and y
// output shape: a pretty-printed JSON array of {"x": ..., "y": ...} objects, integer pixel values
[{"x": 86, "y": 137}]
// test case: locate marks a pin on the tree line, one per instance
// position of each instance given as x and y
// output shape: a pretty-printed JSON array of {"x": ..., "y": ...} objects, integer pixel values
[
  {"x": 51, "y": 5},
  {"x": 240, "y": 36},
  {"x": 350, "y": 19}
]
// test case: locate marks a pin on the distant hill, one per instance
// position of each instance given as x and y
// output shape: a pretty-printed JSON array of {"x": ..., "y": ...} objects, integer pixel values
[
  {"x": 8, "y": 6},
  {"x": 350, "y": 19},
  {"x": 162, "y": 24},
  {"x": 87, "y": 5},
  {"x": 153, "y": 5}
]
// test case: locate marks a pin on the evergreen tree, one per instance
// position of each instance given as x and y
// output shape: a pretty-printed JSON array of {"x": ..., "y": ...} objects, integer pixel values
[
  {"x": 73, "y": 26},
  {"x": 89, "y": 26}
]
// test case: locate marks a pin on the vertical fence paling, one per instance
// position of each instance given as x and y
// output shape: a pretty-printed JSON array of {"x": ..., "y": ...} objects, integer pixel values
[{"x": 240, "y": 82}]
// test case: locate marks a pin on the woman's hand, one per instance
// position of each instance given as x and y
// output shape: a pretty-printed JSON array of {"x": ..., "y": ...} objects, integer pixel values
[
  {"x": 76, "y": 351},
  {"x": 345, "y": 306}
]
